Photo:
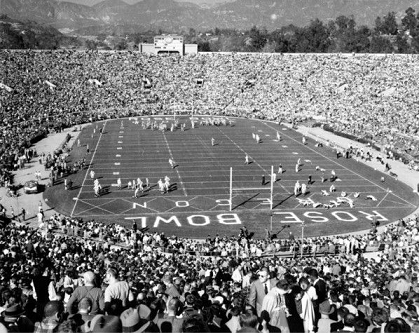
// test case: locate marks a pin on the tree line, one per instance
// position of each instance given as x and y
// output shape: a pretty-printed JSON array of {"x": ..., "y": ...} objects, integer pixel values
[{"x": 339, "y": 35}]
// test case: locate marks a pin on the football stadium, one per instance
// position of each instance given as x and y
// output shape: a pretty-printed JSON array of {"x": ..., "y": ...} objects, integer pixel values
[{"x": 208, "y": 192}]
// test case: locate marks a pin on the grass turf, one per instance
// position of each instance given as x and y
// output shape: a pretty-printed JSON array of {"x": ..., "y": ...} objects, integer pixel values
[{"x": 197, "y": 204}]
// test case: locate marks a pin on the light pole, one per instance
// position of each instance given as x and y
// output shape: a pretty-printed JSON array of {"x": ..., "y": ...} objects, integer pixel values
[{"x": 302, "y": 237}]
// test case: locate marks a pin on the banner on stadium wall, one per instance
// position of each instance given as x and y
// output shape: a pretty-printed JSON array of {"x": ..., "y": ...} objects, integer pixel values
[
  {"x": 7, "y": 88},
  {"x": 96, "y": 82},
  {"x": 51, "y": 85},
  {"x": 388, "y": 92},
  {"x": 342, "y": 88}
]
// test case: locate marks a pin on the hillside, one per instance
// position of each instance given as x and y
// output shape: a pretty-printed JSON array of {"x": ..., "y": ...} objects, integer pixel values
[{"x": 176, "y": 16}]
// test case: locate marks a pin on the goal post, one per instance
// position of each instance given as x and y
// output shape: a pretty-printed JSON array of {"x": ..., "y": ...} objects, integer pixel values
[{"x": 253, "y": 190}]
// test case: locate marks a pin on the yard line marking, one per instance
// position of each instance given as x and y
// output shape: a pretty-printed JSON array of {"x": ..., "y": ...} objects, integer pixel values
[
  {"x": 115, "y": 173},
  {"x": 254, "y": 161},
  {"x": 88, "y": 168},
  {"x": 120, "y": 142},
  {"x": 117, "y": 155},
  {"x": 120, "y": 137},
  {"x": 383, "y": 199},
  {"x": 177, "y": 171},
  {"x": 119, "y": 148},
  {"x": 117, "y": 163},
  {"x": 336, "y": 163},
  {"x": 98, "y": 207}
]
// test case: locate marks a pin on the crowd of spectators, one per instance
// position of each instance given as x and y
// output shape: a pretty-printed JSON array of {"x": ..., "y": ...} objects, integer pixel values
[
  {"x": 369, "y": 96},
  {"x": 120, "y": 278},
  {"x": 93, "y": 277}
]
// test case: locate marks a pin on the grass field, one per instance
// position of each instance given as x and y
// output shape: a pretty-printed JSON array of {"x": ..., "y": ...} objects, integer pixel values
[{"x": 198, "y": 202}]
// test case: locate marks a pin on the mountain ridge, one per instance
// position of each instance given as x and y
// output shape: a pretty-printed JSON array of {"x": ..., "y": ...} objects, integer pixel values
[{"x": 176, "y": 16}]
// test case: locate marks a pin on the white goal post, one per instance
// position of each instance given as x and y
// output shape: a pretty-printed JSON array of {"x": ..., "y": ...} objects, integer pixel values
[{"x": 254, "y": 189}]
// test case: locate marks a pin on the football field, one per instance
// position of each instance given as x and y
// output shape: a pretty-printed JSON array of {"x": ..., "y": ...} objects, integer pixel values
[{"x": 198, "y": 201}]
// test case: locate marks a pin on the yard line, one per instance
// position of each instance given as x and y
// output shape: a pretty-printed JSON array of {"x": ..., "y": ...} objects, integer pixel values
[
  {"x": 88, "y": 168},
  {"x": 336, "y": 163},
  {"x": 96, "y": 207},
  {"x": 177, "y": 171},
  {"x": 250, "y": 157},
  {"x": 382, "y": 199}
]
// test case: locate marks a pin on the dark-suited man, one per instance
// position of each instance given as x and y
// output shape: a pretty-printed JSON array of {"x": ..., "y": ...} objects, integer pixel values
[
  {"x": 259, "y": 288},
  {"x": 321, "y": 290}
]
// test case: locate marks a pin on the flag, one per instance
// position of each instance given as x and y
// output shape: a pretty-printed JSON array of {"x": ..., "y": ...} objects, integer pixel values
[
  {"x": 51, "y": 85},
  {"x": 388, "y": 92},
  {"x": 94, "y": 81},
  {"x": 342, "y": 88},
  {"x": 3, "y": 86}
]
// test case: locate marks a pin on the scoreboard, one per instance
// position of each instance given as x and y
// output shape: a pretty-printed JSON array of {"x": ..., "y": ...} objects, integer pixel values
[{"x": 168, "y": 43}]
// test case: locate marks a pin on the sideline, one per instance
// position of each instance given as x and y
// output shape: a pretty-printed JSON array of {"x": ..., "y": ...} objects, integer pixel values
[
  {"x": 329, "y": 139},
  {"x": 31, "y": 202}
]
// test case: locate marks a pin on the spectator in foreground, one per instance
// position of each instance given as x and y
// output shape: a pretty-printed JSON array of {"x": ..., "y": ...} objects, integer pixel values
[{"x": 94, "y": 294}]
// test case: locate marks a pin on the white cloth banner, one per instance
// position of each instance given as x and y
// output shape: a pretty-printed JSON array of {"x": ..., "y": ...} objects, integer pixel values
[
  {"x": 389, "y": 91},
  {"x": 3, "y": 86},
  {"x": 94, "y": 81},
  {"x": 51, "y": 85}
]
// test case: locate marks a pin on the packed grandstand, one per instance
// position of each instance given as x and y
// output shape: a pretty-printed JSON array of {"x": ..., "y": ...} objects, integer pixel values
[{"x": 90, "y": 276}]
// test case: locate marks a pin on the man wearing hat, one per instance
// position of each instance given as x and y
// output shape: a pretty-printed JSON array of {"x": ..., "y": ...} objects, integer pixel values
[
  {"x": 325, "y": 309},
  {"x": 137, "y": 320},
  {"x": 102, "y": 323},
  {"x": 14, "y": 319}
]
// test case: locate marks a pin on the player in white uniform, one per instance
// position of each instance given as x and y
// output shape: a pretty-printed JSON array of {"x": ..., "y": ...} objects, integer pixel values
[
  {"x": 333, "y": 175},
  {"x": 303, "y": 188},
  {"x": 297, "y": 188},
  {"x": 119, "y": 183},
  {"x": 212, "y": 142},
  {"x": 136, "y": 192},
  {"x": 140, "y": 185},
  {"x": 97, "y": 189},
  {"x": 172, "y": 163},
  {"x": 166, "y": 184},
  {"x": 161, "y": 186},
  {"x": 92, "y": 174},
  {"x": 246, "y": 159},
  {"x": 278, "y": 136},
  {"x": 280, "y": 170}
]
